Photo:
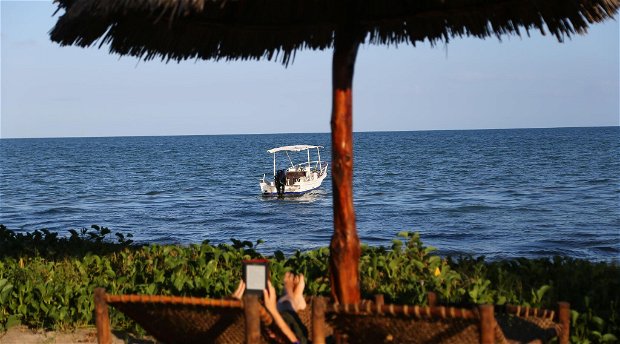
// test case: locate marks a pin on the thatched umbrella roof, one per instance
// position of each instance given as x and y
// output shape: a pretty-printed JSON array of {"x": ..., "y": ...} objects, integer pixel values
[
  {"x": 277, "y": 29},
  {"x": 256, "y": 29}
]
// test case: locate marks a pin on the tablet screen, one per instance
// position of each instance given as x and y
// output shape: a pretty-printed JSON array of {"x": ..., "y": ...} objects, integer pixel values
[{"x": 256, "y": 277}]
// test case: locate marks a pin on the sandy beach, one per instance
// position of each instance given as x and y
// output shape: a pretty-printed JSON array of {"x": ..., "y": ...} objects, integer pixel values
[{"x": 24, "y": 335}]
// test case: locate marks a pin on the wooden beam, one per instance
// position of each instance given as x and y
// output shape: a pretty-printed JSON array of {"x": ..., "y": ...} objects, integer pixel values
[{"x": 345, "y": 245}]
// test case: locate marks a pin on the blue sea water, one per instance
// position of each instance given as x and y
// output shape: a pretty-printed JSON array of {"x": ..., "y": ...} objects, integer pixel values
[{"x": 499, "y": 193}]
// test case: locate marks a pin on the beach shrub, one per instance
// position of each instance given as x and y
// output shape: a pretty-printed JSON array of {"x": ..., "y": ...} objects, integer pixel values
[
  {"x": 50, "y": 284},
  {"x": 588, "y": 328},
  {"x": 407, "y": 272},
  {"x": 313, "y": 264},
  {"x": 47, "y": 281},
  {"x": 49, "y": 245}
]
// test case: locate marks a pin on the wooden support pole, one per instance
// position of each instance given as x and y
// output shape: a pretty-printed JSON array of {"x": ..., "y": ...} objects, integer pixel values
[
  {"x": 564, "y": 320},
  {"x": 432, "y": 299},
  {"x": 345, "y": 246},
  {"x": 102, "y": 318},
  {"x": 379, "y": 300},
  {"x": 252, "y": 319},
  {"x": 487, "y": 324},
  {"x": 318, "y": 320}
]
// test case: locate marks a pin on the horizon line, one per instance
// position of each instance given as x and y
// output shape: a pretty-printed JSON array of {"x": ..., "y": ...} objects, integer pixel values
[{"x": 291, "y": 133}]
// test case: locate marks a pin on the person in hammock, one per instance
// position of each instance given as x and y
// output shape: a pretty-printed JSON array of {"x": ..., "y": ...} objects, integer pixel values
[{"x": 284, "y": 310}]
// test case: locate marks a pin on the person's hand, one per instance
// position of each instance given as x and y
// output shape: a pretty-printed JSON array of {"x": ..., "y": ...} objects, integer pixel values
[
  {"x": 238, "y": 294},
  {"x": 270, "y": 297},
  {"x": 271, "y": 300}
]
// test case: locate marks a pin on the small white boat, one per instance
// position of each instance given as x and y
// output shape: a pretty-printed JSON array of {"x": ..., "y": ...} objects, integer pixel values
[{"x": 296, "y": 179}]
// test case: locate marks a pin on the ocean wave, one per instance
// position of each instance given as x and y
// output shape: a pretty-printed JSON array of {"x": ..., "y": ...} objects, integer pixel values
[
  {"x": 470, "y": 208},
  {"x": 154, "y": 193},
  {"x": 59, "y": 210}
]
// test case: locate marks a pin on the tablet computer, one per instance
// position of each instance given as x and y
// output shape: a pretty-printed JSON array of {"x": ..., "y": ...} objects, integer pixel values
[{"x": 255, "y": 275}]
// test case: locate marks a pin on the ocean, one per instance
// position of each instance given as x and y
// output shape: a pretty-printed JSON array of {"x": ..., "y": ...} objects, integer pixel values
[{"x": 498, "y": 193}]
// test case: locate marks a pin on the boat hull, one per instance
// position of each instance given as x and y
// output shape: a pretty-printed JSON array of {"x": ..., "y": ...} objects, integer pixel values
[{"x": 268, "y": 189}]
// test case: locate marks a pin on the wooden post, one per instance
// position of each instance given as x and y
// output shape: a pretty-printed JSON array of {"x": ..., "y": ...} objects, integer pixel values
[
  {"x": 379, "y": 300},
  {"x": 102, "y": 318},
  {"x": 345, "y": 246},
  {"x": 487, "y": 324},
  {"x": 252, "y": 319},
  {"x": 318, "y": 320},
  {"x": 432, "y": 299},
  {"x": 564, "y": 320}
]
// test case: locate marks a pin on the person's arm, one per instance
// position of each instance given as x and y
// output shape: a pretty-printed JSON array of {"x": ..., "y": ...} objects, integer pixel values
[{"x": 271, "y": 305}]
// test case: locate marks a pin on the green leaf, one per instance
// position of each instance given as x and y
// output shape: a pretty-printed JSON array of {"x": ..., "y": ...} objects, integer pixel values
[
  {"x": 418, "y": 264},
  {"x": 12, "y": 320},
  {"x": 598, "y": 321},
  {"x": 430, "y": 249},
  {"x": 62, "y": 314},
  {"x": 434, "y": 260},
  {"x": 501, "y": 300},
  {"x": 279, "y": 255},
  {"x": 178, "y": 283},
  {"x": 574, "y": 315},
  {"x": 542, "y": 291},
  {"x": 5, "y": 291}
]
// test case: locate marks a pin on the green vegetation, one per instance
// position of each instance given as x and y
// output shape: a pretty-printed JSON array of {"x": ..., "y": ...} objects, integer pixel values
[{"x": 47, "y": 281}]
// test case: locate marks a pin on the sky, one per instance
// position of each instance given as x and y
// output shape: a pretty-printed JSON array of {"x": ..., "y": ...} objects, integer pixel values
[{"x": 528, "y": 82}]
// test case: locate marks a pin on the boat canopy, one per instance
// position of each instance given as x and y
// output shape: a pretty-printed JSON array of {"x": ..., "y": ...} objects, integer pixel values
[{"x": 292, "y": 148}]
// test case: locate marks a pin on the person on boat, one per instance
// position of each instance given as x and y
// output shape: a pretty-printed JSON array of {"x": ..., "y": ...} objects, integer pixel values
[
  {"x": 284, "y": 310},
  {"x": 280, "y": 179}
]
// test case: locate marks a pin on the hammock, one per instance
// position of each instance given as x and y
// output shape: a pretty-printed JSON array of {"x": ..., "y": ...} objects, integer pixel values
[
  {"x": 375, "y": 322},
  {"x": 173, "y": 319}
]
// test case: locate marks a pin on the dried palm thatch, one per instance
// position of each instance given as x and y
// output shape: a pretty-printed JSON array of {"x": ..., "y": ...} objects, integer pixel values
[{"x": 276, "y": 29}]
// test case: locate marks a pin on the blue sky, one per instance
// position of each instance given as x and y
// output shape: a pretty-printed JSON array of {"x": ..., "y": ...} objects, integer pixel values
[{"x": 53, "y": 91}]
